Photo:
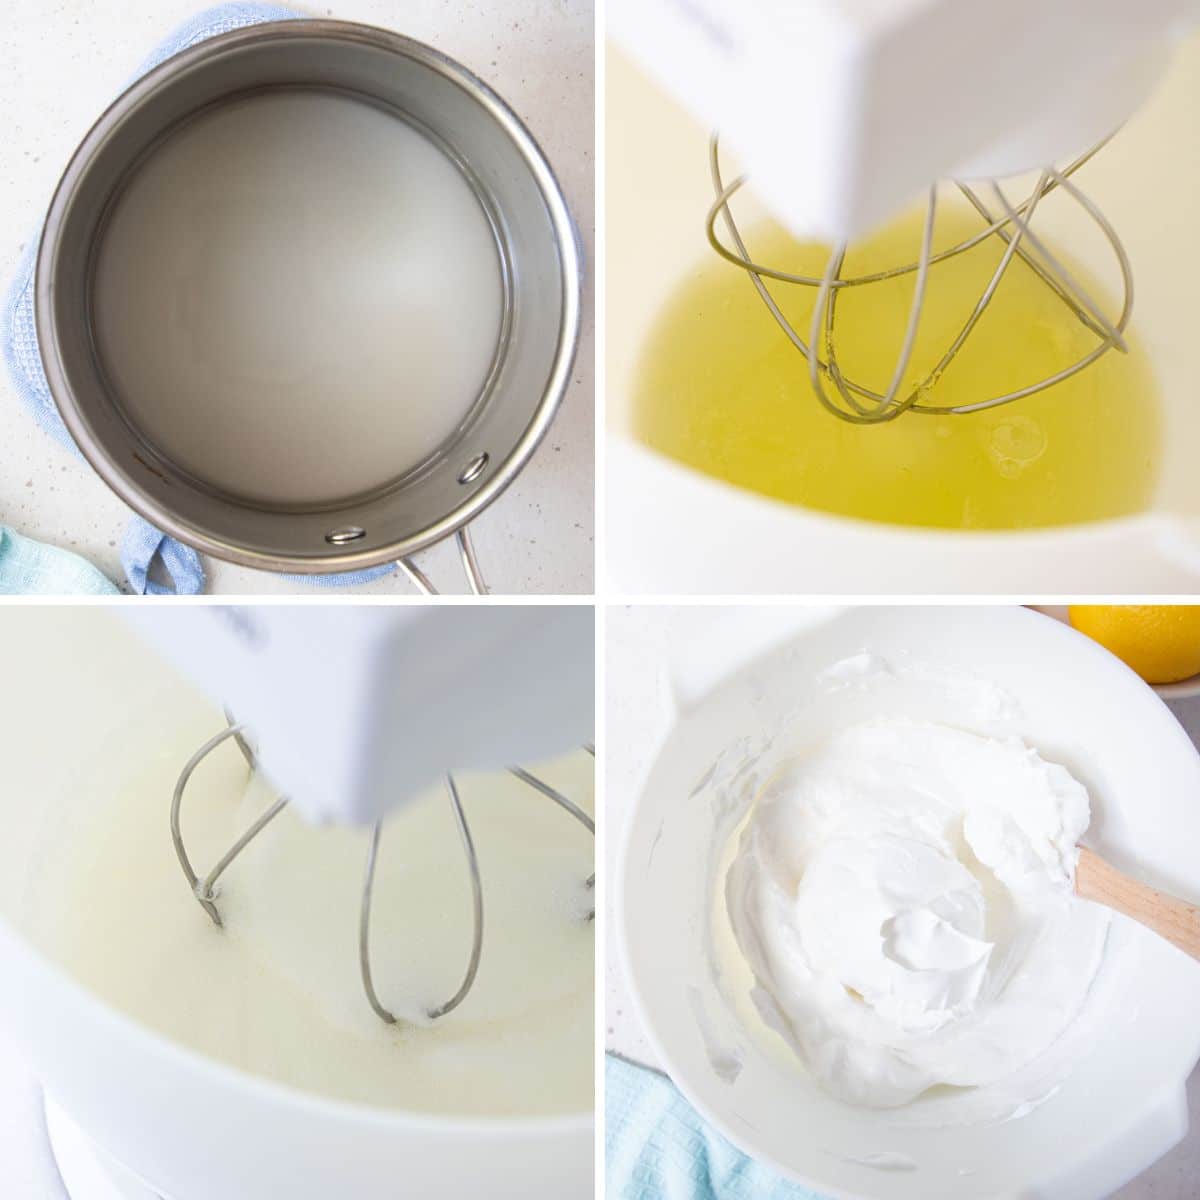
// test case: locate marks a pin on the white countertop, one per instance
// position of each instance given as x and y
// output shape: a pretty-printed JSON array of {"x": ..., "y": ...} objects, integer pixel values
[
  {"x": 63, "y": 61},
  {"x": 635, "y": 640}
]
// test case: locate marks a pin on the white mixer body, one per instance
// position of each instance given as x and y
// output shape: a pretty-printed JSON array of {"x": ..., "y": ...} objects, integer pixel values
[
  {"x": 845, "y": 110},
  {"x": 353, "y": 710}
]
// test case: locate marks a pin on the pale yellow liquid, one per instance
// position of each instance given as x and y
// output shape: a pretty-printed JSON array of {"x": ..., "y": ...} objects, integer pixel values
[
  {"x": 277, "y": 991},
  {"x": 722, "y": 389},
  {"x": 298, "y": 297}
]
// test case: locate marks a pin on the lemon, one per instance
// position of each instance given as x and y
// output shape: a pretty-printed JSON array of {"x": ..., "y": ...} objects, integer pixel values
[{"x": 1161, "y": 642}]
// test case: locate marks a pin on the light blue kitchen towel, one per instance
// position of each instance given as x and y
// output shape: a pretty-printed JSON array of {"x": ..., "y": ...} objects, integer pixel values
[
  {"x": 657, "y": 1147},
  {"x": 142, "y": 544},
  {"x": 29, "y": 568}
]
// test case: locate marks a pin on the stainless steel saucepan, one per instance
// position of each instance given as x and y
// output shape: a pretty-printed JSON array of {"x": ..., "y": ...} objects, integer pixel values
[{"x": 539, "y": 259}]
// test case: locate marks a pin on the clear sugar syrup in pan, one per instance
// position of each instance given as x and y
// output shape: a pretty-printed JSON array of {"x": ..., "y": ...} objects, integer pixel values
[{"x": 297, "y": 296}]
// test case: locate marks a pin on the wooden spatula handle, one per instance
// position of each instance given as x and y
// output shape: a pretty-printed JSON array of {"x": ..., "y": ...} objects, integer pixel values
[{"x": 1169, "y": 917}]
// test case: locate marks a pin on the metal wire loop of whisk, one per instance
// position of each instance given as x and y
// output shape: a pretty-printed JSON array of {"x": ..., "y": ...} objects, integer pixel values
[
  {"x": 861, "y": 405},
  {"x": 205, "y": 889}
]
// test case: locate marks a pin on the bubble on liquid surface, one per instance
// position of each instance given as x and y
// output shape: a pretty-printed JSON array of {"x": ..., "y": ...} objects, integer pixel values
[{"x": 1015, "y": 443}]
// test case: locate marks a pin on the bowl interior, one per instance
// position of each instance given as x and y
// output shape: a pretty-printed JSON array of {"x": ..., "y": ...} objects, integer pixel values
[{"x": 1077, "y": 706}]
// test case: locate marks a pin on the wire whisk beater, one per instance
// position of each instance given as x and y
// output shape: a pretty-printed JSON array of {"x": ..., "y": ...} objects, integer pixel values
[
  {"x": 1011, "y": 223},
  {"x": 206, "y": 891}
]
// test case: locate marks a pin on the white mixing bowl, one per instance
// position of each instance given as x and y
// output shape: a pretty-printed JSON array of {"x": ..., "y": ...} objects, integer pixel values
[
  {"x": 738, "y": 677},
  {"x": 77, "y": 685},
  {"x": 672, "y": 529}
]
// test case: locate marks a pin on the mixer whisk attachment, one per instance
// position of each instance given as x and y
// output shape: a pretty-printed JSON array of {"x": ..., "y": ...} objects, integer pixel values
[
  {"x": 205, "y": 888},
  {"x": 858, "y": 404}
]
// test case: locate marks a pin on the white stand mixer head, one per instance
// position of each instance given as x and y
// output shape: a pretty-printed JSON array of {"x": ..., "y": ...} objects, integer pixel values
[
  {"x": 844, "y": 110},
  {"x": 354, "y": 710}
]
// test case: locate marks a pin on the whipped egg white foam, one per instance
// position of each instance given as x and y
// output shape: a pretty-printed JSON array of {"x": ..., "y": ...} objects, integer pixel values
[{"x": 904, "y": 899}]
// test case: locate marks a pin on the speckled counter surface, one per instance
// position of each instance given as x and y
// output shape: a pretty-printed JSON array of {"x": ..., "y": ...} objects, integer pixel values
[
  {"x": 635, "y": 642},
  {"x": 63, "y": 61}
]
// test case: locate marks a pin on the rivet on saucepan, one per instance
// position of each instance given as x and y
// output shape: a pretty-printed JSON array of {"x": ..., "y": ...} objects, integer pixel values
[
  {"x": 348, "y": 533},
  {"x": 474, "y": 468}
]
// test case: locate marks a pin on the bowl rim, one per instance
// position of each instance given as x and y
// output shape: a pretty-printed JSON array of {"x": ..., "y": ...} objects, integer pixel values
[
  {"x": 1180, "y": 689},
  {"x": 287, "y": 1095}
]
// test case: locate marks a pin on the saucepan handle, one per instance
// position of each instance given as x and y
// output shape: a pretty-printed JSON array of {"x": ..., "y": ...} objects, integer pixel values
[{"x": 466, "y": 550}]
